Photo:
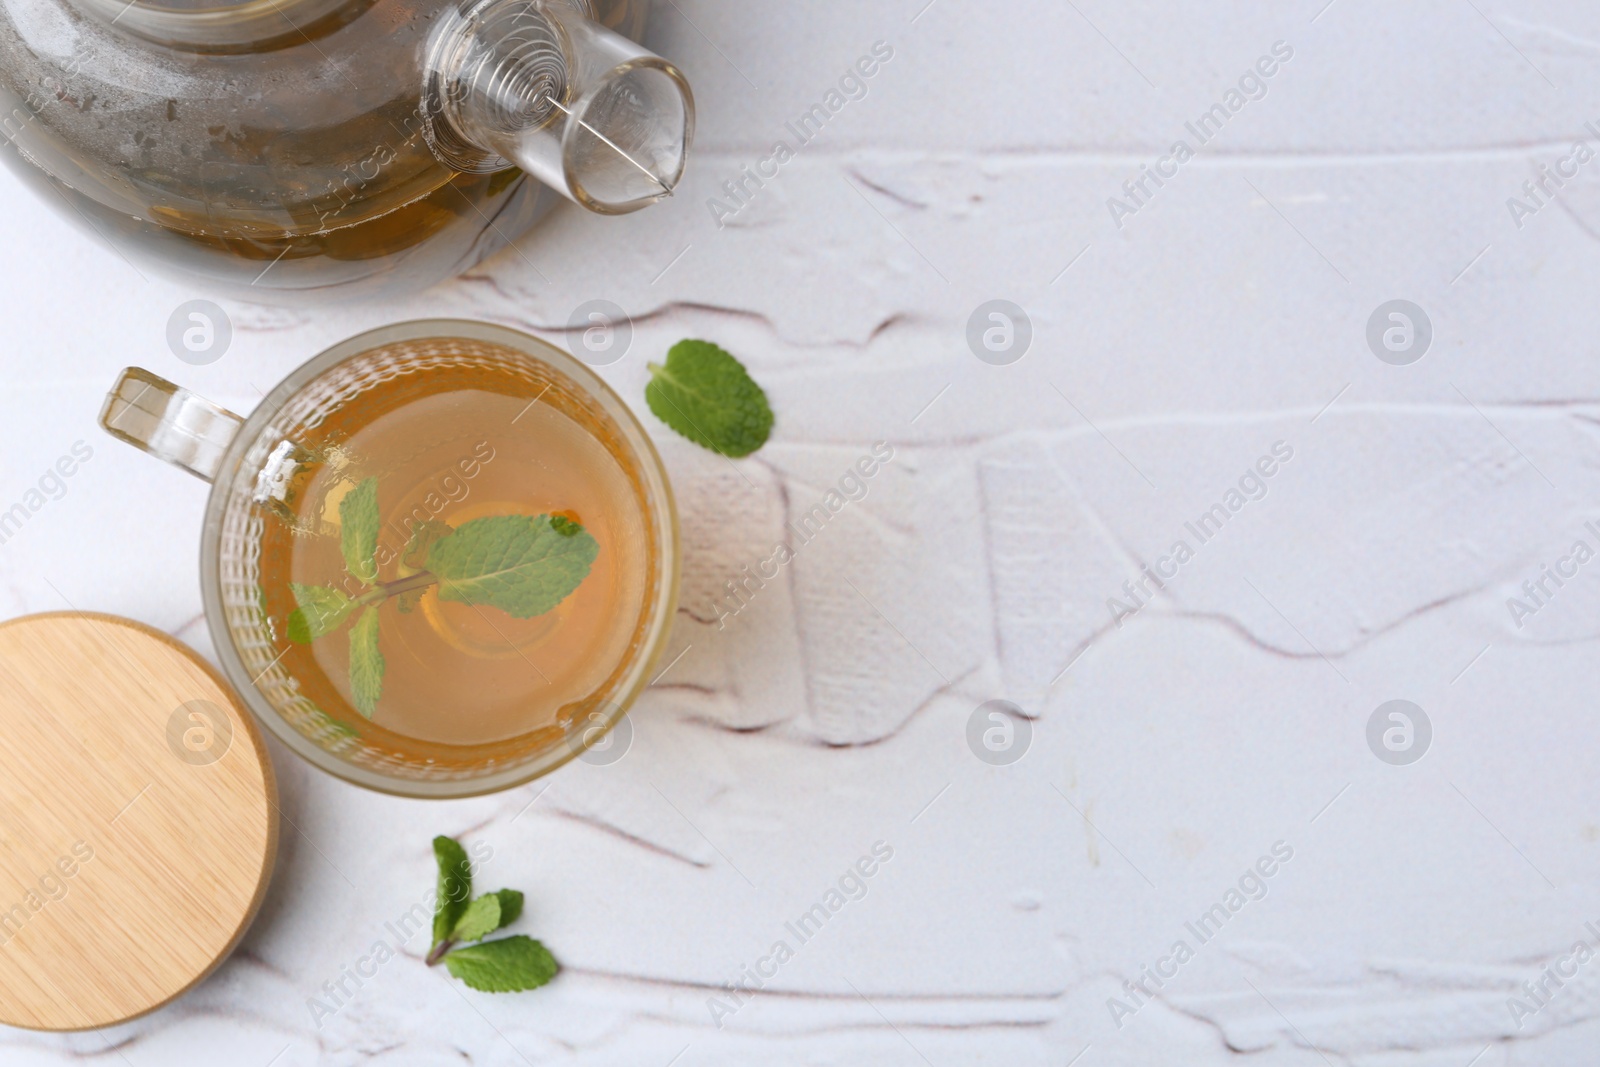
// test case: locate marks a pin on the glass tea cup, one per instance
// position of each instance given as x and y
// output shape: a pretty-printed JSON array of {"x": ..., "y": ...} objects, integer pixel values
[{"x": 450, "y": 437}]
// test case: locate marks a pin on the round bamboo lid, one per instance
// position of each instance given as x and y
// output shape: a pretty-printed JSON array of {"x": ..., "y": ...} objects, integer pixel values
[{"x": 138, "y": 820}]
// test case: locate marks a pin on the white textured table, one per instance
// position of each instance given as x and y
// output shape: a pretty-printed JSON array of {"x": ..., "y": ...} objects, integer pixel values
[{"x": 1170, "y": 754}]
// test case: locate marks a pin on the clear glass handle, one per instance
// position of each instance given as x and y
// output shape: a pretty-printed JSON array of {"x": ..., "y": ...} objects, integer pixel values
[{"x": 169, "y": 422}]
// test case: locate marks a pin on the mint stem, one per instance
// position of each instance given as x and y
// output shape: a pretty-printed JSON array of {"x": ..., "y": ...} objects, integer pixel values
[
  {"x": 384, "y": 590},
  {"x": 439, "y": 952}
]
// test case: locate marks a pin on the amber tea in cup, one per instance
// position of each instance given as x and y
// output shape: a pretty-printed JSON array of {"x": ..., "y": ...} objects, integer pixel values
[{"x": 439, "y": 559}]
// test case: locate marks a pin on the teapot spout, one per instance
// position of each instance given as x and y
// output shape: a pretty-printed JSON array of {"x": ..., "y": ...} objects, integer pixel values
[{"x": 538, "y": 85}]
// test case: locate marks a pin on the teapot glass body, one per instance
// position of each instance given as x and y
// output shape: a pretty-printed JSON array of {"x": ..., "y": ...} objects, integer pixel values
[{"x": 283, "y": 151}]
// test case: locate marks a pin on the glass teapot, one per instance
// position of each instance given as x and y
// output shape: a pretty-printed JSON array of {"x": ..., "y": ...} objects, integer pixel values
[{"x": 283, "y": 151}]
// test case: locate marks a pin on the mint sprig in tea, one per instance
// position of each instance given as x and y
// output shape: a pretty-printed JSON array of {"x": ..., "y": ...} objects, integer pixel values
[
  {"x": 519, "y": 565},
  {"x": 456, "y": 559}
]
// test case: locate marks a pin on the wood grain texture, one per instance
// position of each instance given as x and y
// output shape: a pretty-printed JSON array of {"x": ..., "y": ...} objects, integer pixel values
[{"x": 138, "y": 820}]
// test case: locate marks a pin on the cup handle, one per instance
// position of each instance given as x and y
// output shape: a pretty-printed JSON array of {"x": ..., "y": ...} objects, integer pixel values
[{"x": 169, "y": 422}]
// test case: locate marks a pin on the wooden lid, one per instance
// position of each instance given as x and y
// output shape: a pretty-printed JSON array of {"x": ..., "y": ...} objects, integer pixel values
[{"x": 138, "y": 820}]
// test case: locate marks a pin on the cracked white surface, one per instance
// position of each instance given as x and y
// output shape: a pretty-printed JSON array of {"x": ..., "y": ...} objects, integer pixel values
[{"x": 1168, "y": 752}]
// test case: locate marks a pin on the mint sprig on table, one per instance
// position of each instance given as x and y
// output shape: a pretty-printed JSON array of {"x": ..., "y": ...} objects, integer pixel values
[
  {"x": 508, "y": 965},
  {"x": 523, "y": 565},
  {"x": 707, "y": 396}
]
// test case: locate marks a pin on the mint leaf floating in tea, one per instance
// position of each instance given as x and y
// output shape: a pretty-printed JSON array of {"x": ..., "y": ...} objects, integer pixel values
[
  {"x": 423, "y": 536},
  {"x": 322, "y": 610},
  {"x": 415, "y": 557},
  {"x": 522, "y": 565},
  {"x": 366, "y": 663},
  {"x": 359, "y": 523},
  {"x": 509, "y": 965},
  {"x": 707, "y": 396}
]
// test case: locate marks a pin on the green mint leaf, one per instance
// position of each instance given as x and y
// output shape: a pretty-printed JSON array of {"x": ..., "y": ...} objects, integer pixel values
[
  {"x": 423, "y": 536},
  {"x": 322, "y": 610},
  {"x": 366, "y": 663},
  {"x": 707, "y": 396},
  {"x": 358, "y": 530},
  {"x": 455, "y": 886},
  {"x": 481, "y": 919},
  {"x": 518, "y": 564},
  {"x": 510, "y": 906},
  {"x": 564, "y": 526},
  {"x": 508, "y": 965},
  {"x": 407, "y": 602},
  {"x": 490, "y": 912}
]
